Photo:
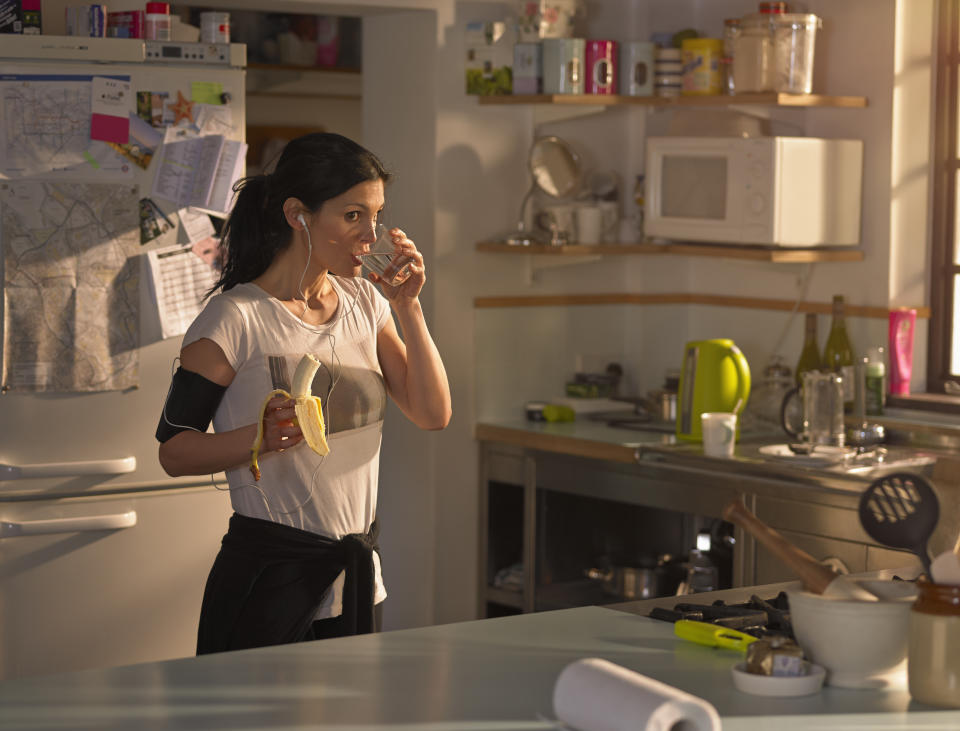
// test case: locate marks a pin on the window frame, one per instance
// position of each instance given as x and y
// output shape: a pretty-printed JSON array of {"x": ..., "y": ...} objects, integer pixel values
[{"x": 946, "y": 169}]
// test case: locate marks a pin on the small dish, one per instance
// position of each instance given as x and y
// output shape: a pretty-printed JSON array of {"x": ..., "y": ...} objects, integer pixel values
[
  {"x": 823, "y": 455},
  {"x": 776, "y": 685}
]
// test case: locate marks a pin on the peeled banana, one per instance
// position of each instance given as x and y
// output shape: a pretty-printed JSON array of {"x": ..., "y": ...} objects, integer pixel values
[{"x": 309, "y": 412}]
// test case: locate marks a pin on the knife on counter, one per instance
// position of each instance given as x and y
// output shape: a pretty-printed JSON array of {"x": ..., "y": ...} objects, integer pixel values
[{"x": 712, "y": 635}]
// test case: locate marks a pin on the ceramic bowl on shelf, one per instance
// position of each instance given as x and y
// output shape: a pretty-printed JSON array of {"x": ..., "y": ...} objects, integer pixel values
[{"x": 861, "y": 644}]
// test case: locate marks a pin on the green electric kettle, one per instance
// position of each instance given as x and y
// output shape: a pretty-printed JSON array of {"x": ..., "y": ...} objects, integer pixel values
[{"x": 715, "y": 377}]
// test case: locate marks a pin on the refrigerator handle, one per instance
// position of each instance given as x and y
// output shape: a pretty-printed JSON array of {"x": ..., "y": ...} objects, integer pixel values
[
  {"x": 68, "y": 469},
  {"x": 115, "y": 521}
]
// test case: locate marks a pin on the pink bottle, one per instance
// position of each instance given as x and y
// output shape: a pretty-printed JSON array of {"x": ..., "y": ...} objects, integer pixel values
[
  {"x": 902, "y": 324},
  {"x": 601, "y": 72}
]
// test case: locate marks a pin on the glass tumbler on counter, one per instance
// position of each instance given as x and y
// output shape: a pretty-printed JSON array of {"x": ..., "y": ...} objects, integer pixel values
[{"x": 383, "y": 260}]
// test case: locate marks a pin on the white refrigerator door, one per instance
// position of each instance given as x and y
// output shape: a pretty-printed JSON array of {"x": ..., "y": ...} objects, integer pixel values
[
  {"x": 111, "y": 426},
  {"x": 96, "y": 582}
]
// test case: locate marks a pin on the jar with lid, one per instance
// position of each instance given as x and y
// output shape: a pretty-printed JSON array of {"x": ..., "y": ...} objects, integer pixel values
[
  {"x": 766, "y": 399},
  {"x": 753, "y": 50},
  {"x": 933, "y": 664}
]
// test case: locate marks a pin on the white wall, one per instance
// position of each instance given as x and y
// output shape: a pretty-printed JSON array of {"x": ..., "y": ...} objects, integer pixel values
[{"x": 462, "y": 175}]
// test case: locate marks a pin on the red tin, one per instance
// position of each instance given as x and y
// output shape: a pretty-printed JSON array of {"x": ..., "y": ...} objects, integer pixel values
[{"x": 601, "y": 72}]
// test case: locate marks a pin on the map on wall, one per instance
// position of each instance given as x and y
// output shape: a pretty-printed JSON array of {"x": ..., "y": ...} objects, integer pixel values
[
  {"x": 45, "y": 129},
  {"x": 71, "y": 286}
]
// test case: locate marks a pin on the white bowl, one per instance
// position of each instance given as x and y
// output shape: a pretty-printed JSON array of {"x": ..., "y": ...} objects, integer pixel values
[
  {"x": 778, "y": 686},
  {"x": 861, "y": 644}
]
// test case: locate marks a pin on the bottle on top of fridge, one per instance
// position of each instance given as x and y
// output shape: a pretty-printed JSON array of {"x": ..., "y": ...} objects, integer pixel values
[
  {"x": 838, "y": 353},
  {"x": 157, "y": 24},
  {"x": 810, "y": 354}
]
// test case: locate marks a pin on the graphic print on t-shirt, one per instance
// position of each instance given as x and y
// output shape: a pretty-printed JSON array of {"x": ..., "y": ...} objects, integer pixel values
[{"x": 351, "y": 397}]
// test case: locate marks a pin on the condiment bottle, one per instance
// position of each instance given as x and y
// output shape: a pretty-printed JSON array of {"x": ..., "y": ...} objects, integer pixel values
[
  {"x": 933, "y": 665},
  {"x": 875, "y": 377}
]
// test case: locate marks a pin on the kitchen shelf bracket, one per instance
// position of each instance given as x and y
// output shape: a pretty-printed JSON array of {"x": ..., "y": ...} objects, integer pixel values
[
  {"x": 545, "y": 113},
  {"x": 535, "y": 264}
]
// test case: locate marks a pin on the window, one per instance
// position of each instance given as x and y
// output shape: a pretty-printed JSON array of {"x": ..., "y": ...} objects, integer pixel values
[{"x": 943, "y": 374}]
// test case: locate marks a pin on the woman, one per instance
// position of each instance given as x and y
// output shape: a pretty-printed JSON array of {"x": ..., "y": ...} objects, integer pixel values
[{"x": 299, "y": 560}]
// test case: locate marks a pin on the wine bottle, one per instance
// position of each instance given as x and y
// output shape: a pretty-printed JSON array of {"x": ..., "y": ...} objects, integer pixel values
[
  {"x": 810, "y": 354},
  {"x": 838, "y": 353}
]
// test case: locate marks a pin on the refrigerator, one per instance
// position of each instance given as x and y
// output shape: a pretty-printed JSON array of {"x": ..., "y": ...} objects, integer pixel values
[{"x": 103, "y": 557}]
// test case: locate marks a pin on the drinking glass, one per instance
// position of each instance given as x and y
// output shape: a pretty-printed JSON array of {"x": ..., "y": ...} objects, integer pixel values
[{"x": 393, "y": 268}]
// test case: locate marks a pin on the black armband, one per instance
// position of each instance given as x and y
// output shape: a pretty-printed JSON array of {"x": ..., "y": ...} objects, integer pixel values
[{"x": 191, "y": 403}]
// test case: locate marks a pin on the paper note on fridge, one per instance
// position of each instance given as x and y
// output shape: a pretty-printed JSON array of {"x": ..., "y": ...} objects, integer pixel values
[
  {"x": 179, "y": 279},
  {"x": 198, "y": 170},
  {"x": 110, "y": 104}
]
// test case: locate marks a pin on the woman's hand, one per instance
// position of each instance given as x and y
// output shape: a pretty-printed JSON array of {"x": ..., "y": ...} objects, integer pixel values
[
  {"x": 410, "y": 288},
  {"x": 279, "y": 431}
]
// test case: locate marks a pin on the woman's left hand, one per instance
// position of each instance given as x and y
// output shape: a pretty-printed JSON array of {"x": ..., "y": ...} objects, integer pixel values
[{"x": 410, "y": 288}]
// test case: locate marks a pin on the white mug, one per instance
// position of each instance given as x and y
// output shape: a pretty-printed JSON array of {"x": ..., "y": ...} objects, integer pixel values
[
  {"x": 589, "y": 225},
  {"x": 719, "y": 433}
]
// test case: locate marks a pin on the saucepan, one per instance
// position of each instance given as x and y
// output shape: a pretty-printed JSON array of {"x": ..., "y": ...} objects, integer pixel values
[{"x": 639, "y": 582}]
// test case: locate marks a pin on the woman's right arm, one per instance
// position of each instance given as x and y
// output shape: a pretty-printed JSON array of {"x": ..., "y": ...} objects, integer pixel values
[{"x": 200, "y": 453}]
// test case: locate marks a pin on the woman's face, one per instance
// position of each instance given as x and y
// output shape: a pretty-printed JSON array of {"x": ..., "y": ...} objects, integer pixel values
[{"x": 345, "y": 226}]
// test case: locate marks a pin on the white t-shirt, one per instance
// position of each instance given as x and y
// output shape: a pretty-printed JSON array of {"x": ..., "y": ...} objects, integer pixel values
[{"x": 263, "y": 341}]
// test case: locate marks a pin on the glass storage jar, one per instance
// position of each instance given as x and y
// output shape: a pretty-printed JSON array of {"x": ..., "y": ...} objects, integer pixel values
[
  {"x": 794, "y": 36},
  {"x": 933, "y": 665},
  {"x": 753, "y": 55}
]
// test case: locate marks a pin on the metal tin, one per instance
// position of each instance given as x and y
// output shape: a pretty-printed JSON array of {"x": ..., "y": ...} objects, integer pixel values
[
  {"x": 527, "y": 68},
  {"x": 701, "y": 66},
  {"x": 636, "y": 68},
  {"x": 601, "y": 68},
  {"x": 563, "y": 65}
]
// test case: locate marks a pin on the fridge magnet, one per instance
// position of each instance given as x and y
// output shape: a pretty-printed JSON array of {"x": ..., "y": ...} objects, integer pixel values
[
  {"x": 109, "y": 101},
  {"x": 182, "y": 109},
  {"x": 206, "y": 92},
  {"x": 142, "y": 144},
  {"x": 153, "y": 223}
]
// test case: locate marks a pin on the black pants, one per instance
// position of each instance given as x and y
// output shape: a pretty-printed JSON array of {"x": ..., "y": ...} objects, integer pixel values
[{"x": 325, "y": 629}]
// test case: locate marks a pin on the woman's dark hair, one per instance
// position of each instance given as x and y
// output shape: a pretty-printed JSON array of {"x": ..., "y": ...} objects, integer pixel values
[{"x": 313, "y": 168}]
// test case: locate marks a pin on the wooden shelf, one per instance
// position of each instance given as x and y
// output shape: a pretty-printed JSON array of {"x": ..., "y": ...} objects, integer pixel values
[
  {"x": 296, "y": 67},
  {"x": 610, "y": 100},
  {"x": 682, "y": 298},
  {"x": 727, "y": 251}
]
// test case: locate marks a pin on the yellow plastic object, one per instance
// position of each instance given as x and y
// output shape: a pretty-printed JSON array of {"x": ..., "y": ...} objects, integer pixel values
[
  {"x": 557, "y": 412},
  {"x": 712, "y": 635}
]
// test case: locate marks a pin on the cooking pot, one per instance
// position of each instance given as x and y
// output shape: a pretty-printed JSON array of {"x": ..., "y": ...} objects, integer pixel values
[{"x": 629, "y": 582}]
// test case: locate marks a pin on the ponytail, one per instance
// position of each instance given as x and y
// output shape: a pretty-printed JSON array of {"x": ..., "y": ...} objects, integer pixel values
[{"x": 313, "y": 168}]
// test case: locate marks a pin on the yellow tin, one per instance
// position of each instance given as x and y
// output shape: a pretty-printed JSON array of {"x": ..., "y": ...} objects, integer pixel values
[{"x": 702, "y": 70}]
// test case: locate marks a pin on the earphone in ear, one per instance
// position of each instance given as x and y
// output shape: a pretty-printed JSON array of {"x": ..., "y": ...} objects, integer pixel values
[{"x": 300, "y": 219}]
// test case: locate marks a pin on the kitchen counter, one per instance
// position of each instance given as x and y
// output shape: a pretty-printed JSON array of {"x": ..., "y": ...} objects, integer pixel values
[
  {"x": 584, "y": 438},
  {"x": 485, "y": 674}
]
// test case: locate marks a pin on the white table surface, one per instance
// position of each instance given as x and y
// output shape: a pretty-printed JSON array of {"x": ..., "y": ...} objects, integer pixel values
[{"x": 487, "y": 674}]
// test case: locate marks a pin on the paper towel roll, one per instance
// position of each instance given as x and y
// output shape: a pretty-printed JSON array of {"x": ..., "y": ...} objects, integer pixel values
[{"x": 596, "y": 695}]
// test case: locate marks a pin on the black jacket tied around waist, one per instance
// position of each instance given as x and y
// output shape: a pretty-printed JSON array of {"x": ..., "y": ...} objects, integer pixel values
[{"x": 269, "y": 579}]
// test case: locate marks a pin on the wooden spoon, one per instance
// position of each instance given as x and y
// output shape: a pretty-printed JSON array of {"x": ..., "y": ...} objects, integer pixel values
[{"x": 816, "y": 577}]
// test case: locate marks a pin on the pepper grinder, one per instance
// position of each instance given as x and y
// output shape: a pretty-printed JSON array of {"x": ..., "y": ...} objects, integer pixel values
[{"x": 862, "y": 435}]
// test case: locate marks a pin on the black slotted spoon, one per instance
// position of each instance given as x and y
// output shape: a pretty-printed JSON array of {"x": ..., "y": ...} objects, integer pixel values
[{"x": 901, "y": 510}]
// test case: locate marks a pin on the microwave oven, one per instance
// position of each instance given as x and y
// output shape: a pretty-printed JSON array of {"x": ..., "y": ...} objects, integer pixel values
[{"x": 769, "y": 191}]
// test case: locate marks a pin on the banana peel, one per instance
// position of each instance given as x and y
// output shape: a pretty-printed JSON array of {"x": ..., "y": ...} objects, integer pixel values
[{"x": 308, "y": 408}]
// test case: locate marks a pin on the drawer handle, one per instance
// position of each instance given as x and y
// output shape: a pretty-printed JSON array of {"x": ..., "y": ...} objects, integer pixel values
[
  {"x": 120, "y": 466},
  {"x": 115, "y": 521}
]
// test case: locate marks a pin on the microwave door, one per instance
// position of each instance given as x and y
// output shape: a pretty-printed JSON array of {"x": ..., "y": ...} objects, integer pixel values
[{"x": 695, "y": 198}]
